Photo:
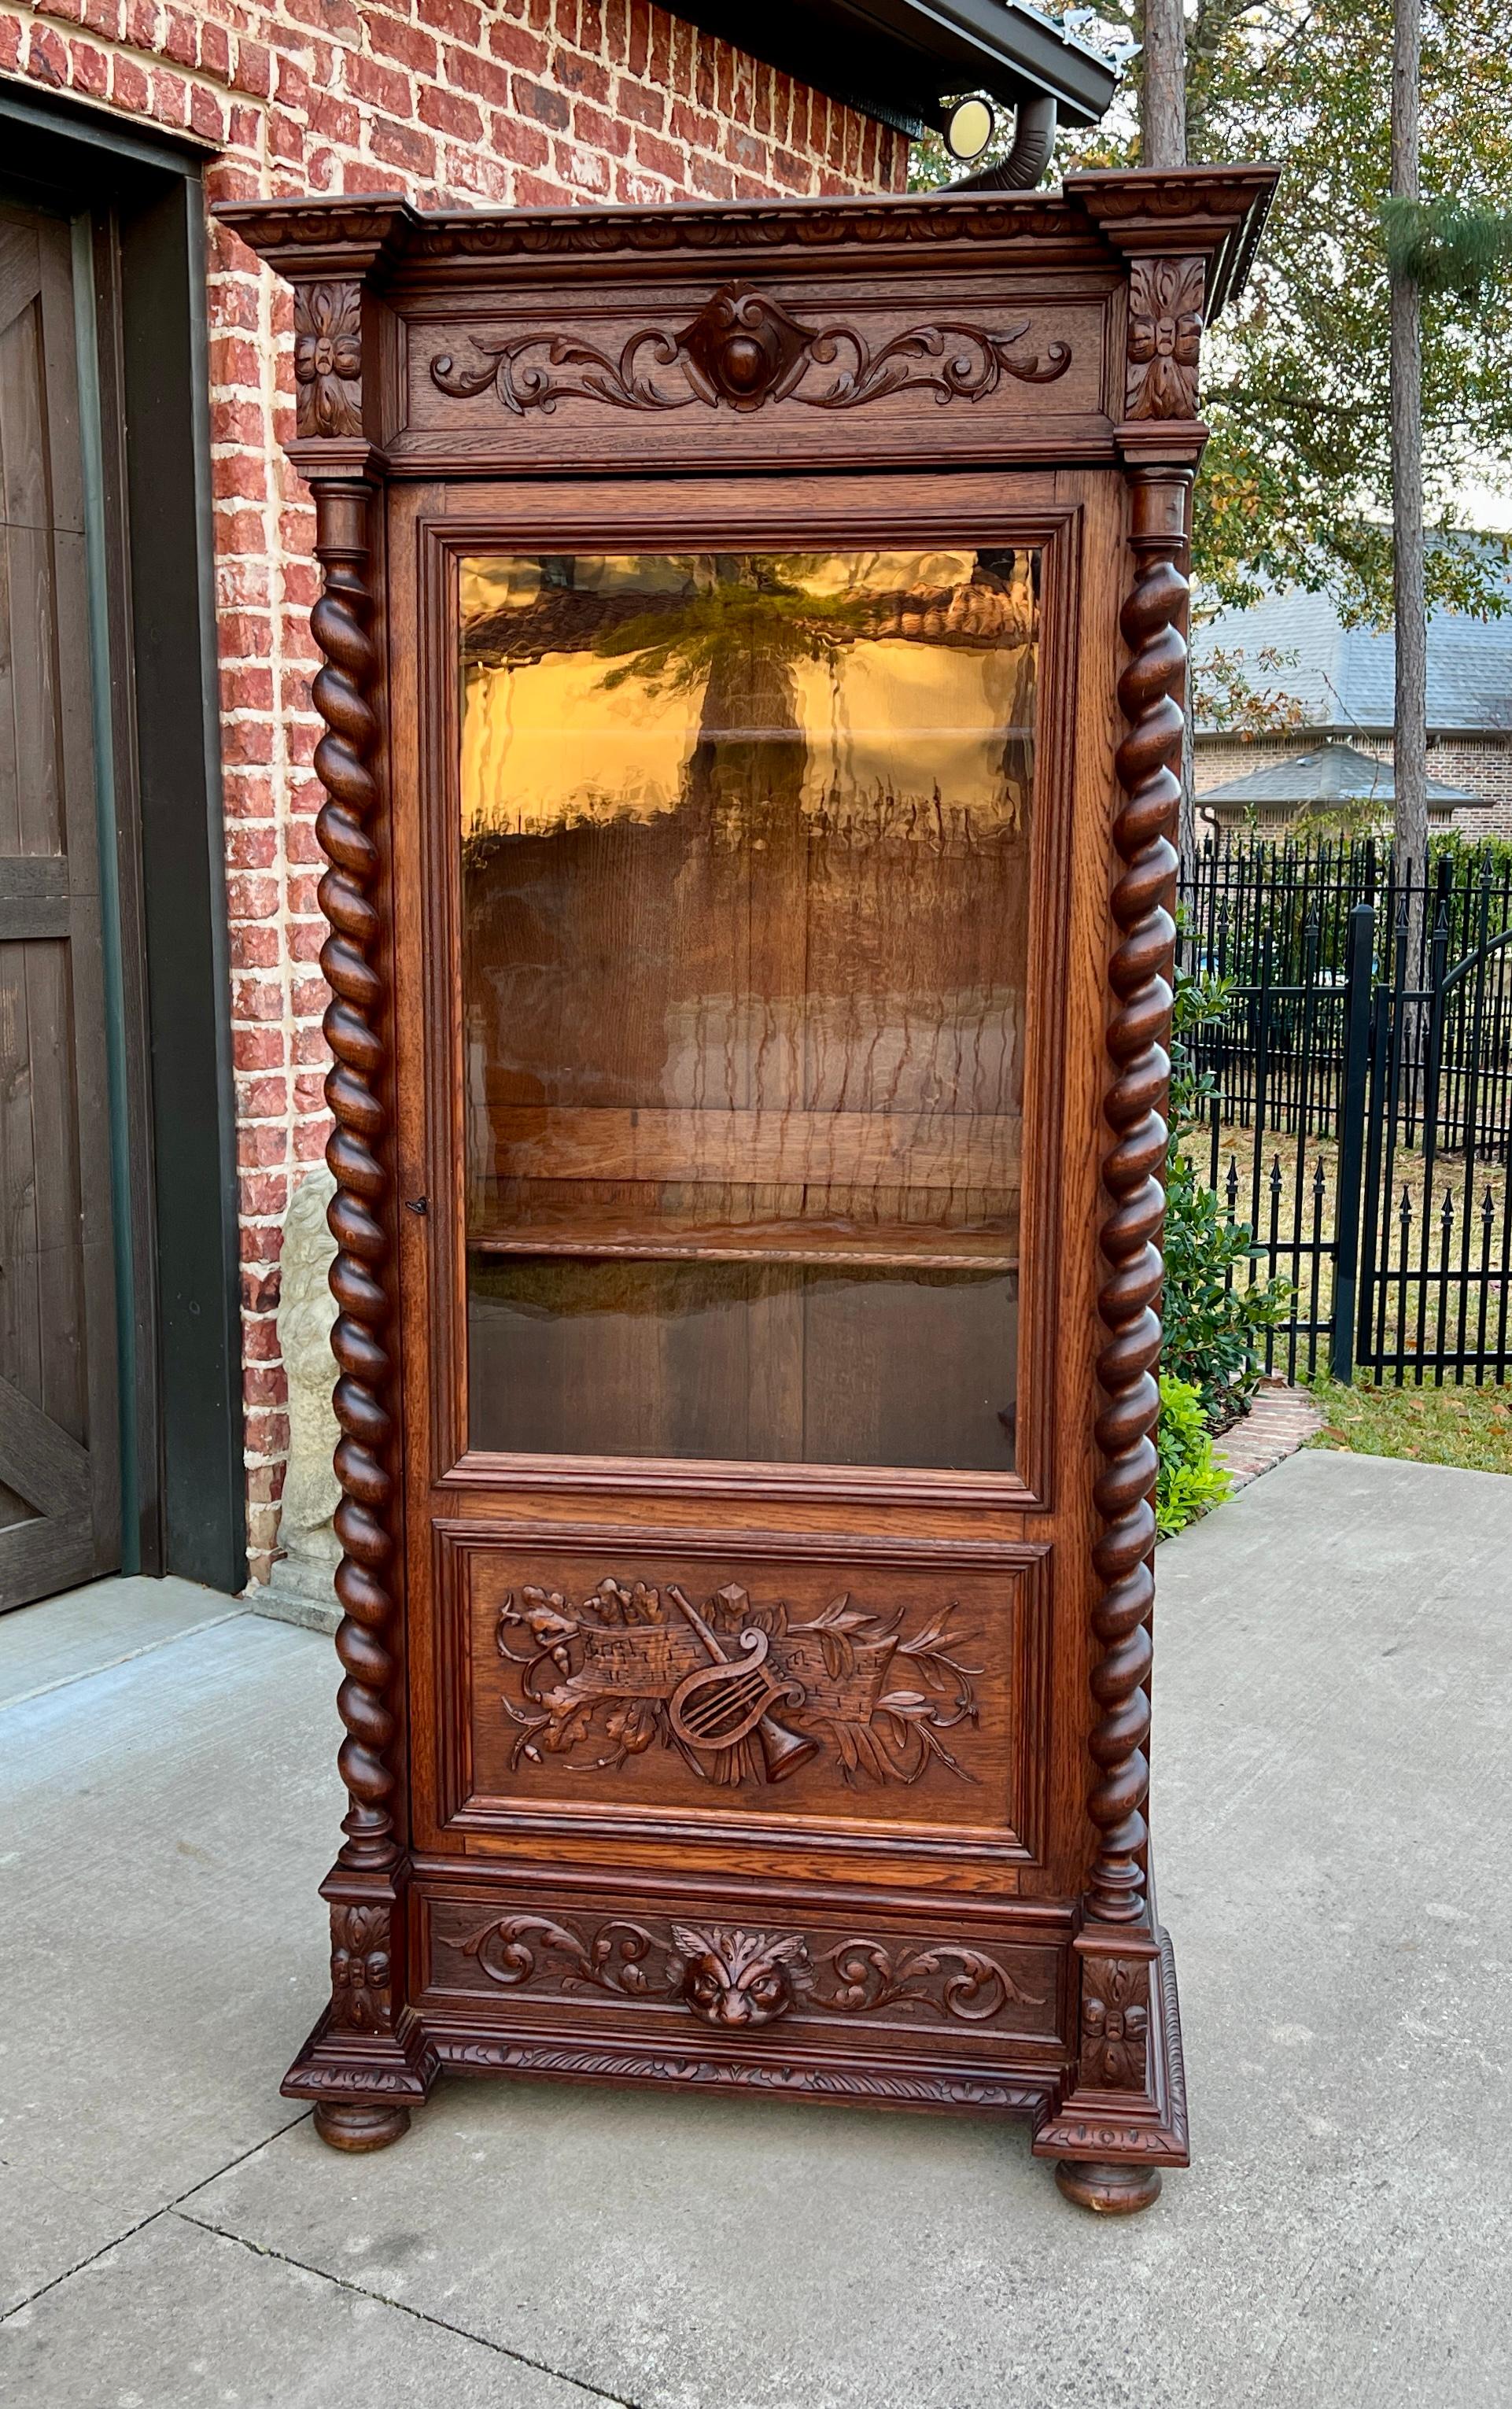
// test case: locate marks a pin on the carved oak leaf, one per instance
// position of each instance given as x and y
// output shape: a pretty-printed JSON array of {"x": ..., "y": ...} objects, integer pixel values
[
  {"x": 328, "y": 359},
  {"x": 1165, "y": 333}
]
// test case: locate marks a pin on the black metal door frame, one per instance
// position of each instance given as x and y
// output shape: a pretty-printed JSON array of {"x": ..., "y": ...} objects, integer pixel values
[{"x": 137, "y": 204}]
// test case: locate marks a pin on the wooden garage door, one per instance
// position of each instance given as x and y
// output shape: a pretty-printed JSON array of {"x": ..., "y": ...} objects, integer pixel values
[{"x": 59, "y": 1466}]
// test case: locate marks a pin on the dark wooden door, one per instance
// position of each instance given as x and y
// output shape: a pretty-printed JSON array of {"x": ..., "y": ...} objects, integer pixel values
[{"x": 59, "y": 1457}]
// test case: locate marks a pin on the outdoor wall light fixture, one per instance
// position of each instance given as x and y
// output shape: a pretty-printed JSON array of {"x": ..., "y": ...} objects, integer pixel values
[{"x": 968, "y": 127}]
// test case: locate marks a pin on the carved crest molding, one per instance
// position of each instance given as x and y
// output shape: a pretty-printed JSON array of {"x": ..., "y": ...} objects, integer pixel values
[{"x": 742, "y": 351}]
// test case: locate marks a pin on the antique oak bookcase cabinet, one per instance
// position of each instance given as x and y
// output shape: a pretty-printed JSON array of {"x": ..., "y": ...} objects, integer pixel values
[{"x": 753, "y": 671}]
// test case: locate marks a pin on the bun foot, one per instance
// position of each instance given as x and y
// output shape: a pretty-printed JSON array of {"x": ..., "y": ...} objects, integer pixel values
[
  {"x": 1108, "y": 2190},
  {"x": 360, "y": 2123}
]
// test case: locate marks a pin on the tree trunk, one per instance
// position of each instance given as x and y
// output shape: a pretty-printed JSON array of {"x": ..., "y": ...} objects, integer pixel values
[
  {"x": 1410, "y": 763},
  {"x": 1163, "y": 99}
]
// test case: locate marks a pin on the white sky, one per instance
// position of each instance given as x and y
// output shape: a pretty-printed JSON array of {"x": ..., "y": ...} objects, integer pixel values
[{"x": 1486, "y": 507}]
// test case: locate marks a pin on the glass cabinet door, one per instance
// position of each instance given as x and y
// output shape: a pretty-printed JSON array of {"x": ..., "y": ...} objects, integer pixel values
[{"x": 746, "y": 885}]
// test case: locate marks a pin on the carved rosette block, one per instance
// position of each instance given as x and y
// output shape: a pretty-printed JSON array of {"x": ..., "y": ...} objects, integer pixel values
[
  {"x": 1165, "y": 335},
  {"x": 361, "y": 1968},
  {"x": 1138, "y": 1031},
  {"x": 328, "y": 359},
  {"x": 1115, "y": 2024}
]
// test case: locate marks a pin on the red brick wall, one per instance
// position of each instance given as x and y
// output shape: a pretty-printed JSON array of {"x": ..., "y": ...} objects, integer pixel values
[
  {"x": 1482, "y": 766},
  {"x": 526, "y": 102}
]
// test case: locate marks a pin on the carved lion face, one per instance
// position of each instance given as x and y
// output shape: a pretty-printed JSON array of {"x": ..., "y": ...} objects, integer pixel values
[{"x": 739, "y": 1978}]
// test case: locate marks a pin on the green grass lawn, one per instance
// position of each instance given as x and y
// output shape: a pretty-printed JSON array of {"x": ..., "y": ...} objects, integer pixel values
[{"x": 1466, "y": 1426}]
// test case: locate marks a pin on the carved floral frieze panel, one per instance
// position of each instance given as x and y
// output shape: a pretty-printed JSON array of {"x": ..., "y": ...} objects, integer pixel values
[
  {"x": 742, "y": 351},
  {"x": 733, "y": 1976}
]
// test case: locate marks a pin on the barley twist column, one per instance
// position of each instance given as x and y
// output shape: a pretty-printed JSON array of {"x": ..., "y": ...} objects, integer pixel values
[
  {"x": 1133, "y": 1178},
  {"x": 341, "y": 624}
]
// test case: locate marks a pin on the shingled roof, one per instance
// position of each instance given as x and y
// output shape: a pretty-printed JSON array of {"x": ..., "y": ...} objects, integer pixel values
[
  {"x": 1332, "y": 773},
  {"x": 1343, "y": 676}
]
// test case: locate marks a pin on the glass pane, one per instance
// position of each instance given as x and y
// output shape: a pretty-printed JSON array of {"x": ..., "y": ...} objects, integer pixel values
[{"x": 745, "y": 869}]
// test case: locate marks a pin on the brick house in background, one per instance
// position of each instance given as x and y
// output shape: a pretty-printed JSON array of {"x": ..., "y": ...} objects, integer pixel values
[
  {"x": 155, "y": 358},
  {"x": 1340, "y": 679}
]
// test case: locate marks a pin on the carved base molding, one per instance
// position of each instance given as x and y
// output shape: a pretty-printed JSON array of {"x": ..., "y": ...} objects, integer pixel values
[
  {"x": 909, "y": 2087},
  {"x": 337, "y": 2065}
]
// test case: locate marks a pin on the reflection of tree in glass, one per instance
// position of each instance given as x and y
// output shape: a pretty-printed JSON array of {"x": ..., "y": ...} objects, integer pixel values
[
  {"x": 739, "y": 632},
  {"x": 746, "y": 621}
]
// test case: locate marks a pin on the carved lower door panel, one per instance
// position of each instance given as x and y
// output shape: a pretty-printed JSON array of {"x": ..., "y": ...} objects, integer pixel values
[{"x": 825, "y": 1695}]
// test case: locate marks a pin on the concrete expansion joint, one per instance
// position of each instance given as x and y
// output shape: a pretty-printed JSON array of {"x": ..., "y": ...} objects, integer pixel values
[{"x": 392, "y": 2300}]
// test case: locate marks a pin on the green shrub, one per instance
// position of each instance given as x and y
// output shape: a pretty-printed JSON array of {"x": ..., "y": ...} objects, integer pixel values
[
  {"x": 1190, "y": 1479},
  {"x": 1215, "y": 1321}
]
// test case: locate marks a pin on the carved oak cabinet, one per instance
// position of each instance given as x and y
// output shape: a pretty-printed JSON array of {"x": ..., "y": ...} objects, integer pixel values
[{"x": 752, "y": 667}]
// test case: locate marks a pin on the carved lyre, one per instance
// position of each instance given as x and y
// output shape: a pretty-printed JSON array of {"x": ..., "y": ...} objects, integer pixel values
[{"x": 724, "y": 1700}]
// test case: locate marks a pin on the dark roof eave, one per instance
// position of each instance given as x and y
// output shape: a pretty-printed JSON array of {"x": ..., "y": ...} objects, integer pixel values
[{"x": 898, "y": 58}]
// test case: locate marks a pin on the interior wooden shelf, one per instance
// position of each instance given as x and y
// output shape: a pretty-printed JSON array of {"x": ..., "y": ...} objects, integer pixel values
[
  {"x": 776, "y": 1148},
  {"x": 898, "y": 1246}
]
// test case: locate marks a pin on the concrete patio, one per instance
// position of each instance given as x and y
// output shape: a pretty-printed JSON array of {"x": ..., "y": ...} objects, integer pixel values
[{"x": 1333, "y": 1733}]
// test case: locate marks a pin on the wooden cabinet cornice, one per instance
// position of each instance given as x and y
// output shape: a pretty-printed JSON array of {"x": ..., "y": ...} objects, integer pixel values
[{"x": 753, "y": 645}]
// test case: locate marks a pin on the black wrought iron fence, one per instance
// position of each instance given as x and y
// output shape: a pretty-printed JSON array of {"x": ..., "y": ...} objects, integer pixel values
[
  {"x": 1360, "y": 1116},
  {"x": 1275, "y": 920}
]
